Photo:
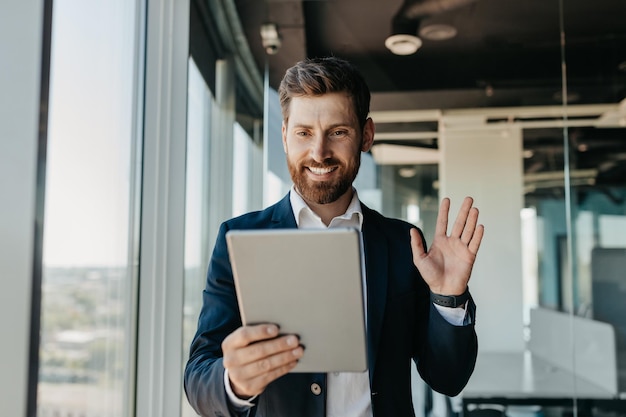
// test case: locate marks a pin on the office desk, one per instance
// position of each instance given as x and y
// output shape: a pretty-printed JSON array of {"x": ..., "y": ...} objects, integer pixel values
[{"x": 519, "y": 378}]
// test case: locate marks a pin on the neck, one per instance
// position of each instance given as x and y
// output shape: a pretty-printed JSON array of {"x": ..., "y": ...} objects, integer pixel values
[{"x": 329, "y": 211}]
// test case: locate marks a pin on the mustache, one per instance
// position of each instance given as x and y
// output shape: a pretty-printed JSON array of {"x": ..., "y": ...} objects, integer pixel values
[{"x": 329, "y": 162}]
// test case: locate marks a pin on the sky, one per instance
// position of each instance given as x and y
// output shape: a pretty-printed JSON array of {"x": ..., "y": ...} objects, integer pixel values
[{"x": 90, "y": 134}]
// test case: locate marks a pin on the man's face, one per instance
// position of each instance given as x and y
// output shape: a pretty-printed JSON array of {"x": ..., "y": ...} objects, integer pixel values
[{"x": 323, "y": 143}]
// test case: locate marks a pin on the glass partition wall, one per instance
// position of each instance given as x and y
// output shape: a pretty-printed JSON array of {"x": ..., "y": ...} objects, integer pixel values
[
  {"x": 594, "y": 282},
  {"x": 574, "y": 217}
]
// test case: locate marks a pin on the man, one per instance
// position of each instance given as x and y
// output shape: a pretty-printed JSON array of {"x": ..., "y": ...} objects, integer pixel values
[{"x": 244, "y": 370}]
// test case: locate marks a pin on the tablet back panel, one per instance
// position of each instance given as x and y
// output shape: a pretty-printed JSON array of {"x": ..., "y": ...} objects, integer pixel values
[{"x": 309, "y": 282}]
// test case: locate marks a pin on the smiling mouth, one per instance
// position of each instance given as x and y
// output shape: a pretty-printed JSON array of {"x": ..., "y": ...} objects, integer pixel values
[{"x": 321, "y": 170}]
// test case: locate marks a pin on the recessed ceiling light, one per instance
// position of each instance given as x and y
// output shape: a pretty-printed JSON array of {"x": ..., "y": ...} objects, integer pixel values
[
  {"x": 407, "y": 172},
  {"x": 438, "y": 32},
  {"x": 572, "y": 97},
  {"x": 403, "y": 44}
]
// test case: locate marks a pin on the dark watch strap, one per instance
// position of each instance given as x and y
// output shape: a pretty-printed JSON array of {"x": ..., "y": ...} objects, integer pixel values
[{"x": 450, "y": 300}]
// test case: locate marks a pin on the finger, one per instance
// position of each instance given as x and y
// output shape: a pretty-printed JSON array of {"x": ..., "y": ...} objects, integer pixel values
[
  {"x": 476, "y": 239},
  {"x": 259, "y": 351},
  {"x": 252, "y": 367},
  {"x": 470, "y": 226},
  {"x": 266, "y": 367},
  {"x": 246, "y": 335},
  {"x": 461, "y": 218},
  {"x": 417, "y": 245},
  {"x": 442, "y": 218},
  {"x": 255, "y": 386}
]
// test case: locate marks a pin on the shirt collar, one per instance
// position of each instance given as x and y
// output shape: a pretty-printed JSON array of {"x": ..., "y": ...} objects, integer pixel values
[{"x": 302, "y": 212}]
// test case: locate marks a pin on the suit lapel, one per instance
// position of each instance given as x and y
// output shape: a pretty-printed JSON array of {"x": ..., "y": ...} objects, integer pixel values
[
  {"x": 282, "y": 217},
  {"x": 376, "y": 266}
]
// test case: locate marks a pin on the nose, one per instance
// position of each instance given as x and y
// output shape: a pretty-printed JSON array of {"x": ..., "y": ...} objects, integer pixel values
[{"x": 320, "y": 148}]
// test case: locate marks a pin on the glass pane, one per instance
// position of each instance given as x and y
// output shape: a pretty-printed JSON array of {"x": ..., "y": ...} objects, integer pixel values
[
  {"x": 198, "y": 133},
  {"x": 247, "y": 168},
  {"x": 574, "y": 252},
  {"x": 596, "y": 73},
  {"x": 277, "y": 175},
  {"x": 90, "y": 259},
  {"x": 544, "y": 219}
]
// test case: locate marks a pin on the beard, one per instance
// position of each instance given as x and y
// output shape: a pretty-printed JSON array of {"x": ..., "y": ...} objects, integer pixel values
[{"x": 323, "y": 192}]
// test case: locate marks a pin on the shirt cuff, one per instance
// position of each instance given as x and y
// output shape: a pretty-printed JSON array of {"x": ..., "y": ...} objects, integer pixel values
[
  {"x": 237, "y": 402},
  {"x": 454, "y": 316}
]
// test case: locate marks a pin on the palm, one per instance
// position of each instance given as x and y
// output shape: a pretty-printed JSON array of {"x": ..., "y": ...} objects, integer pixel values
[{"x": 447, "y": 266}]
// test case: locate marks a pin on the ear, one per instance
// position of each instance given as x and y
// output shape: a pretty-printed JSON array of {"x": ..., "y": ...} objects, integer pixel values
[
  {"x": 368, "y": 135},
  {"x": 284, "y": 134}
]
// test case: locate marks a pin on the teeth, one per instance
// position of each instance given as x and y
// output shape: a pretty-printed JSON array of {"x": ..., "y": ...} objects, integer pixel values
[{"x": 321, "y": 171}]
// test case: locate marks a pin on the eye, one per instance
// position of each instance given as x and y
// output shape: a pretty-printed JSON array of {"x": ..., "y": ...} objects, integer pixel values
[
  {"x": 339, "y": 133},
  {"x": 302, "y": 133}
]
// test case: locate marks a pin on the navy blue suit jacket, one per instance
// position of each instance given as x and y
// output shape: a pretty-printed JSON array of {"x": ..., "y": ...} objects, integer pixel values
[{"x": 403, "y": 325}]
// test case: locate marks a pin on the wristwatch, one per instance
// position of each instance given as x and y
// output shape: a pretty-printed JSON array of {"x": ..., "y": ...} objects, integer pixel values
[{"x": 450, "y": 300}]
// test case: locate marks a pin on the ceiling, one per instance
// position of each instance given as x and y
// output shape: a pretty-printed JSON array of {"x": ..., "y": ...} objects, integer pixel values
[{"x": 505, "y": 59}]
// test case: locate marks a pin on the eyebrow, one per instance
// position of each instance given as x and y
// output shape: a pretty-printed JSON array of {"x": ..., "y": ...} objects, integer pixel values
[{"x": 333, "y": 126}]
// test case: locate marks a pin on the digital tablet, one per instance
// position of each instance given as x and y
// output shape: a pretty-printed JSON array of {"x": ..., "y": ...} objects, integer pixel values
[{"x": 310, "y": 283}]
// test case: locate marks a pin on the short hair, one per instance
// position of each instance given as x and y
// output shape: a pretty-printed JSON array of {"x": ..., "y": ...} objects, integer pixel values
[{"x": 317, "y": 76}]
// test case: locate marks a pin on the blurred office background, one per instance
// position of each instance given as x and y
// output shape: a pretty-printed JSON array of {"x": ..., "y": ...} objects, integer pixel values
[{"x": 130, "y": 129}]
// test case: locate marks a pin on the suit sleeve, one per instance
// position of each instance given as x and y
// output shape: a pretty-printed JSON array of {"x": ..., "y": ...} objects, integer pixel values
[
  {"x": 204, "y": 372},
  {"x": 448, "y": 358},
  {"x": 447, "y": 353}
]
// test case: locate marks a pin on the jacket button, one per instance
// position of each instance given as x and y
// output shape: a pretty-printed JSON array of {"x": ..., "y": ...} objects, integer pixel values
[{"x": 316, "y": 389}]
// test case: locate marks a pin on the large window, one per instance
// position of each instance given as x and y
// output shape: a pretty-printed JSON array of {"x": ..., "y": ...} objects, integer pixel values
[
  {"x": 90, "y": 251},
  {"x": 246, "y": 194},
  {"x": 247, "y": 172}
]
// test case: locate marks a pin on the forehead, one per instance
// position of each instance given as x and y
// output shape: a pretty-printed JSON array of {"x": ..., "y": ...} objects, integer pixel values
[{"x": 334, "y": 108}]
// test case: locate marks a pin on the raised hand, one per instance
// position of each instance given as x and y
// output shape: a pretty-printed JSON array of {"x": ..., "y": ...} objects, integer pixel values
[
  {"x": 447, "y": 265},
  {"x": 256, "y": 356}
]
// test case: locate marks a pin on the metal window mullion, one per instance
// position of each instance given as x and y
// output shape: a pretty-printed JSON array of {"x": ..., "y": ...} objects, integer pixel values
[{"x": 134, "y": 215}]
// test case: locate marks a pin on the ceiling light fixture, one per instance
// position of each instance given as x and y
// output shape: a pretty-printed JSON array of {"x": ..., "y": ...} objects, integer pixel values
[
  {"x": 407, "y": 172},
  {"x": 403, "y": 39},
  {"x": 572, "y": 97},
  {"x": 403, "y": 44},
  {"x": 270, "y": 38},
  {"x": 437, "y": 32}
]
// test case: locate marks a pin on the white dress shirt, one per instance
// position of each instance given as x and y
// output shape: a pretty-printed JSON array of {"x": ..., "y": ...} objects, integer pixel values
[{"x": 348, "y": 392}]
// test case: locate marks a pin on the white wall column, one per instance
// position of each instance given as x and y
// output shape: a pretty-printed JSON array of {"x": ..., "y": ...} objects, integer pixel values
[
  {"x": 486, "y": 163},
  {"x": 21, "y": 33},
  {"x": 161, "y": 281},
  {"x": 21, "y": 30},
  {"x": 221, "y": 147}
]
